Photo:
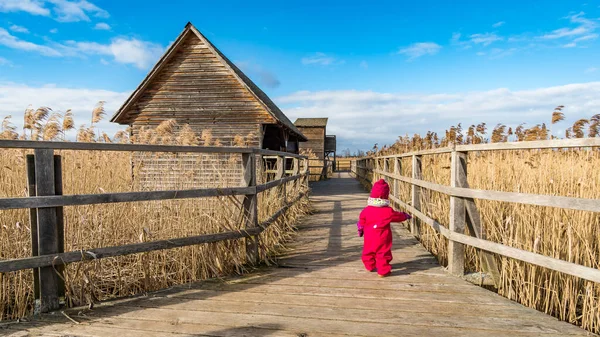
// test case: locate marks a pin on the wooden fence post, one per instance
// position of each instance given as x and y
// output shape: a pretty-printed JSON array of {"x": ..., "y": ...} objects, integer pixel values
[
  {"x": 416, "y": 195},
  {"x": 306, "y": 169},
  {"x": 488, "y": 263},
  {"x": 456, "y": 251},
  {"x": 60, "y": 224},
  {"x": 250, "y": 204},
  {"x": 386, "y": 168},
  {"x": 295, "y": 172},
  {"x": 280, "y": 174},
  {"x": 397, "y": 171},
  {"x": 33, "y": 224},
  {"x": 48, "y": 233}
]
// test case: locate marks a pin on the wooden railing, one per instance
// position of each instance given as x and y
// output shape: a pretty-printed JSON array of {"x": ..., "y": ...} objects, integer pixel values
[
  {"x": 46, "y": 204},
  {"x": 462, "y": 206}
]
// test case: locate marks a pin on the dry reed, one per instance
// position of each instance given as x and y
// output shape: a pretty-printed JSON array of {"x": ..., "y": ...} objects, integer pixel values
[
  {"x": 566, "y": 234},
  {"x": 94, "y": 226}
]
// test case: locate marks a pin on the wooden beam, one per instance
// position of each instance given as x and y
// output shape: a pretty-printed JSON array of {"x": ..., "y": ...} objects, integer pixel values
[
  {"x": 525, "y": 145},
  {"x": 581, "y": 204},
  {"x": 416, "y": 195},
  {"x": 250, "y": 205},
  {"x": 33, "y": 223},
  {"x": 47, "y": 229},
  {"x": 29, "y": 144},
  {"x": 456, "y": 251},
  {"x": 60, "y": 225},
  {"x": 105, "y": 198}
]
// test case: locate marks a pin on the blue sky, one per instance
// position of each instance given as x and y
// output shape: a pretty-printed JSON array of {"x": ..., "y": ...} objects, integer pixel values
[{"x": 377, "y": 70}]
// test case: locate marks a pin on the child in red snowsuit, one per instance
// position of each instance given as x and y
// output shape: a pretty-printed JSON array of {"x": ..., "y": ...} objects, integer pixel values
[{"x": 374, "y": 223}]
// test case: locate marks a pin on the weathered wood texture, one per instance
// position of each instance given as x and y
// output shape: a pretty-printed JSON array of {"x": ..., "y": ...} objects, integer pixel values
[
  {"x": 194, "y": 87},
  {"x": 316, "y": 140},
  {"x": 318, "y": 288}
]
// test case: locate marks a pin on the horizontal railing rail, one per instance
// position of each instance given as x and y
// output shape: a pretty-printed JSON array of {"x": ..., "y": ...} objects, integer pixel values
[
  {"x": 46, "y": 204},
  {"x": 31, "y": 144},
  {"x": 528, "y": 145},
  {"x": 462, "y": 207}
]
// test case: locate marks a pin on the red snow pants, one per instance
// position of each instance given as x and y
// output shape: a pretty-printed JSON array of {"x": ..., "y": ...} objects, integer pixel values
[{"x": 377, "y": 250}]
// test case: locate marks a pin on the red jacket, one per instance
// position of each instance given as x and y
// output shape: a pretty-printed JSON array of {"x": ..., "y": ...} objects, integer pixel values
[{"x": 380, "y": 217}]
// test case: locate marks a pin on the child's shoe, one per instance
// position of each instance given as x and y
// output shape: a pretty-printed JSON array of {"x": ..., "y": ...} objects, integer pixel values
[{"x": 385, "y": 275}]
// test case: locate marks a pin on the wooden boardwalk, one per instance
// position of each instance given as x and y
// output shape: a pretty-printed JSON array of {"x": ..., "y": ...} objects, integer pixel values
[{"x": 319, "y": 289}]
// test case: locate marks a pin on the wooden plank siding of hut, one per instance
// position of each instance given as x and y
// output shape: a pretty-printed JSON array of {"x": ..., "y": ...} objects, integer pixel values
[
  {"x": 316, "y": 141},
  {"x": 195, "y": 88}
]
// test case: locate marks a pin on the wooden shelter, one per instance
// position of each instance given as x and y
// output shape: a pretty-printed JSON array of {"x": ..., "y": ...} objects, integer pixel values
[
  {"x": 193, "y": 83},
  {"x": 321, "y": 144}
]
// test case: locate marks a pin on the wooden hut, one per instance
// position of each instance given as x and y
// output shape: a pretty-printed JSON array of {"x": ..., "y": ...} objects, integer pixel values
[
  {"x": 321, "y": 144},
  {"x": 193, "y": 83}
]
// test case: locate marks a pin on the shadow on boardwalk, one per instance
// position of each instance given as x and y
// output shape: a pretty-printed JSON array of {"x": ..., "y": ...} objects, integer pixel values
[{"x": 318, "y": 288}]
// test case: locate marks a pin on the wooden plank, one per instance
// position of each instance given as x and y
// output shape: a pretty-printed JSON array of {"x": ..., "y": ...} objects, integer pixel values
[
  {"x": 456, "y": 251},
  {"x": 100, "y": 253},
  {"x": 415, "y": 194},
  {"x": 33, "y": 223},
  {"x": 524, "y": 145},
  {"x": 29, "y": 144},
  {"x": 250, "y": 206},
  {"x": 580, "y": 204},
  {"x": 60, "y": 225},
  {"x": 47, "y": 229},
  {"x": 106, "y": 198}
]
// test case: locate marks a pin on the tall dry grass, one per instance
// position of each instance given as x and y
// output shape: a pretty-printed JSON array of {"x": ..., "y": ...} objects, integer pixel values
[
  {"x": 93, "y": 226},
  {"x": 569, "y": 235}
]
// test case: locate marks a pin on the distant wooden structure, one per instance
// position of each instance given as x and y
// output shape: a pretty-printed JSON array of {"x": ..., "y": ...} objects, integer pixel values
[
  {"x": 195, "y": 84},
  {"x": 321, "y": 144}
]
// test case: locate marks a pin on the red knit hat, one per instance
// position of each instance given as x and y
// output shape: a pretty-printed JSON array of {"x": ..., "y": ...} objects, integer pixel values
[{"x": 380, "y": 190}]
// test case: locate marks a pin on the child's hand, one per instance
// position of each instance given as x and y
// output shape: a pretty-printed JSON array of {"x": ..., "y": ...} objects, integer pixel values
[
  {"x": 408, "y": 216},
  {"x": 361, "y": 229}
]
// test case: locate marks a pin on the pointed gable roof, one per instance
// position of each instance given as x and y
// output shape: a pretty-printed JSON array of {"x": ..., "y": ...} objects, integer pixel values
[{"x": 121, "y": 114}]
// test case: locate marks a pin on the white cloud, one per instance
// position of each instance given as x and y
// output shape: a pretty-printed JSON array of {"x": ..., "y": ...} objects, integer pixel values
[
  {"x": 362, "y": 118},
  {"x": 586, "y": 37},
  {"x": 30, "y": 6},
  {"x": 569, "y": 45},
  {"x": 485, "y": 39},
  {"x": 584, "y": 26},
  {"x": 480, "y": 53},
  {"x": 19, "y": 29},
  {"x": 591, "y": 70},
  {"x": 14, "y": 99},
  {"x": 4, "y": 62},
  {"x": 364, "y": 64},
  {"x": 53, "y": 30},
  {"x": 497, "y": 53},
  {"x": 498, "y": 24},
  {"x": 10, "y": 41},
  {"x": 74, "y": 11},
  {"x": 260, "y": 74},
  {"x": 63, "y": 10},
  {"x": 102, "y": 26},
  {"x": 419, "y": 49},
  {"x": 320, "y": 59},
  {"x": 142, "y": 54}
]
